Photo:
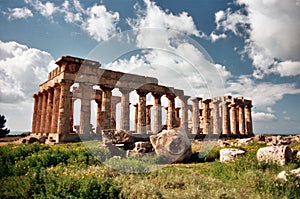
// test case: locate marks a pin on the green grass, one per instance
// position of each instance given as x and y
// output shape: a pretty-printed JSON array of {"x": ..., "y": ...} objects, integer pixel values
[{"x": 71, "y": 171}]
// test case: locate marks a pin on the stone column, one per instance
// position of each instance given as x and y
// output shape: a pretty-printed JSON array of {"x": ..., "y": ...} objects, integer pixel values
[
  {"x": 98, "y": 116},
  {"x": 114, "y": 101},
  {"x": 35, "y": 113},
  {"x": 241, "y": 119},
  {"x": 85, "y": 108},
  {"x": 106, "y": 107},
  {"x": 171, "y": 112},
  {"x": 43, "y": 113},
  {"x": 216, "y": 118},
  {"x": 249, "y": 128},
  {"x": 125, "y": 111},
  {"x": 226, "y": 118},
  {"x": 157, "y": 113},
  {"x": 64, "y": 107},
  {"x": 234, "y": 119},
  {"x": 177, "y": 117},
  {"x": 148, "y": 118},
  {"x": 184, "y": 112},
  {"x": 39, "y": 113},
  {"x": 206, "y": 117},
  {"x": 141, "y": 125},
  {"x": 55, "y": 109},
  {"x": 167, "y": 115},
  {"x": 136, "y": 113},
  {"x": 72, "y": 100},
  {"x": 49, "y": 111},
  {"x": 195, "y": 115}
]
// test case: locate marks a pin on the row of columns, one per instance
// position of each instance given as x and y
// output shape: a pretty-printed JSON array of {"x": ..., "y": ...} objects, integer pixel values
[
  {"x": 52, "y": 108},
  {"x": 53, "y": 112}
]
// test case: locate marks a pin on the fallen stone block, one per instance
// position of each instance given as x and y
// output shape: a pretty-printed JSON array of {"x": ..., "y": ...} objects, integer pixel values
[
  {"x": 230, "y": 154},
  {"x": 276, "y": 154}
]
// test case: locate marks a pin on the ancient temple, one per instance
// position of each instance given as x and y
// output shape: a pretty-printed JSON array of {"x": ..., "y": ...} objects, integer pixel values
[{"x": 53, "y": 104}]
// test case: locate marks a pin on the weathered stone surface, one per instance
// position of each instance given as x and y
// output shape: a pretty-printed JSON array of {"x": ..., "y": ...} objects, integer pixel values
[
  {"x": 298, "y": 155},
  {"x": 284, "y": 175},
  {"x": 244, "y": 142},
  {"x": 230, "y": 154},
  {"x": 259, "y": 138},
  {"x": 143, "y": 147},
  {"x": 118, "y": 136},
  {"x": 277, "y": 154},
  {"x": 172, "y": 144}
]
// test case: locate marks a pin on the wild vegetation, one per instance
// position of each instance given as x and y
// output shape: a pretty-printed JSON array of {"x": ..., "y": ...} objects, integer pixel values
[{"x": 75, "y": 171}]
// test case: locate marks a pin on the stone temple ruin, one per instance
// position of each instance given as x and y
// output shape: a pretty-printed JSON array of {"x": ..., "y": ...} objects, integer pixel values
[{"x": 53, "y": 104}]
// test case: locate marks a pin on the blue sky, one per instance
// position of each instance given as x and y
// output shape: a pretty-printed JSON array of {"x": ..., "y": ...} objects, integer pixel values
[{"x": 254, "y": 45}]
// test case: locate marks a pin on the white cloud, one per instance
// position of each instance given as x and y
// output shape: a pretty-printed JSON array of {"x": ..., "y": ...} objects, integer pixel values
[
  {"x": 155, "y": 17},
  {"x": 262, "y": 94},
  {"x": 287, "y": 118},
  {"x": 19, "y": 13},
  {"x": 270, "y": 110},
  {"x": 272, "y": 29},
  {"x": 288, "y": 68},
  {"x": 47, "y": 9},
  {"x": 261, "y": 116},
  {"x": 22, "y": 69},
  {"x": 101, "y": 24},
  {"x": 214, "y": 37}
]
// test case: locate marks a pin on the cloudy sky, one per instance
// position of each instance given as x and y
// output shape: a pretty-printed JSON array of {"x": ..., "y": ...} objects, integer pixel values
[{"x": 237, "y": 47}]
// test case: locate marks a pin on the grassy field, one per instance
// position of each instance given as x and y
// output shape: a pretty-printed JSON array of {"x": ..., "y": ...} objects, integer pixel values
[{"x": 74, "y": 171}]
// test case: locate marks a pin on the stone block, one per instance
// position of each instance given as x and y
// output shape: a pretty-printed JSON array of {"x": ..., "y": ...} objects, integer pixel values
[
  {"x": 173, "y": 144},
  {"x": 230, "y": 154},
  {"x": 276, "y": 154}
]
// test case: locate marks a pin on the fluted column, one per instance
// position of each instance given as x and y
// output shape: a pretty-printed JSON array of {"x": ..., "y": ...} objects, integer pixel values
[
  {"x": 249, "y": 128},
  {"x": 55, "y": 109},
  {"x": 206, "y": 117},
  {"x": 171, "y": 112},
  {"x": 167, "y": 115},
  {"x": 148, "y": 118},
  {"x": 136, "y": 115},
  {"x": 226, "y": 118},
  {"x": 72, "y": 100},
  {"x": 106, "y": 107},
  {"x": 141, "y": 125},
  {"x": 177, "y": 117},
  {"x": 49, "y": 111},
  {"x": 184, "y": 112},
  {"x": 98, "y": 116},
  {"x": 35, "y": 113},
  {"x": 44, "y": 111},
  {"x": 85, "y": 108},
  {"x": 125, "y": 111},
  {"x": 157, "y": 113},
  {"x": 64, "y": 107},
  {"x": 114, "y": 101},
  {"x": 241, "y": 118},
  {"x": 216, "y": 117},
  {"x": 234, "y": 120},
  {"x": 195, "y": 115},
  {"x": 39, "y": 113}
]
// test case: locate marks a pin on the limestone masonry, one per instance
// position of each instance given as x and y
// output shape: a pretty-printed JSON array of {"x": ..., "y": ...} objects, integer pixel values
[{"x": 53, "y": 104}]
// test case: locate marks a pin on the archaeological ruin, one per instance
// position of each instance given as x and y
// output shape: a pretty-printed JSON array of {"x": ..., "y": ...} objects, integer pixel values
[{"x": 54, "y": 104}]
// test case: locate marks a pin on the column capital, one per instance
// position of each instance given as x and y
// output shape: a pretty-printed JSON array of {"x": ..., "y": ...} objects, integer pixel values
[
  {"x": 125, "y": 90},
  {"x": 156, "y": 94},
  {"x": 149, "y": 106},
  {"x": 184, "y": 97},
  {"x": 142, "y": 92},
  {"x": 196, "y": 99},
  {"x": 106, "y": 88}
]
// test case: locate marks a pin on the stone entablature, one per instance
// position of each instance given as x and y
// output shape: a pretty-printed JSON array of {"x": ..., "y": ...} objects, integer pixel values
[{"x": 53, "y": 104}]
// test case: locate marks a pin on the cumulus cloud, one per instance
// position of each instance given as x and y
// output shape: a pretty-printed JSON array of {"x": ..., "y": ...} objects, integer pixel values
[
  {"x": 262, "y": 94},
  {"x": 100, "y": 24},
  {"x": 19, "y": 13},
  {"x": 272, "y": 29},
  {"x": 47, "y": 9},
  {"x": 261, "y": 116},
  {"x": 22, "y": 69}
]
